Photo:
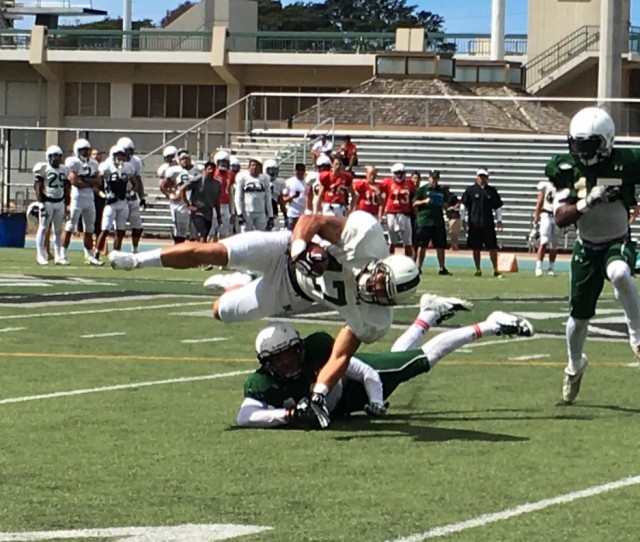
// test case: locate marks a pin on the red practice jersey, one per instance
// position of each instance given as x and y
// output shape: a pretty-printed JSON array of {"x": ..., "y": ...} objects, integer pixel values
[
  {"x": 367, "y": 200},
  {"x": 335, "y": 186},
  {"x": 398, "y": 195},
  {"x": 226, "y": 178}
]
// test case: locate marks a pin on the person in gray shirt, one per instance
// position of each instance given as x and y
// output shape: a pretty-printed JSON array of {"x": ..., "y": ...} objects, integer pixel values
[{"x": 202, "y": 195}]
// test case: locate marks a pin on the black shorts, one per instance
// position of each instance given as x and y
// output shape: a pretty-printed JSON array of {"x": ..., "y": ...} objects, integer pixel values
[
  {"x": 482, "y": 235},
  {"x": 431, "y": 234},
  {"x": 201, "y": 225}
]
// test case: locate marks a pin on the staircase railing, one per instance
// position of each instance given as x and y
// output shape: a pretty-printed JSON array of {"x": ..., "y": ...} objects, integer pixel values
[{"x": 585, "y": 38}]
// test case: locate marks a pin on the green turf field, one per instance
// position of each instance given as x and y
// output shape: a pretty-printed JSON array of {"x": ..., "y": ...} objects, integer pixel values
[{"x": 109, "y": 419}]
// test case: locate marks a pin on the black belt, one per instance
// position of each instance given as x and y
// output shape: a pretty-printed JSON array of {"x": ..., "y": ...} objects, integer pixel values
[
  {"x": 294, "y": 281},
  {"x": 603, "y": 245},
  {"x": 547, "y": 212},
  {"x": 52, "y": 200}
]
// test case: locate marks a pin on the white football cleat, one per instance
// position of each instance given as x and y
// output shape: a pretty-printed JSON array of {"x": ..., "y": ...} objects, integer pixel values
[
  {"x": 551, "y": 273},
  {"x": 538, "y": 272},
  {"x": 636, "y": 349},
  {"x": 91, "y": 260},
  {"x": 446, "y": 307},
  {"x": 62, "y": 261},
  {"x": 571, "y": 383},
  {"x": 220, "y": 283},
  {"x": 42, "y": 260},
  {"x": 511, "y": 324},
  {"x": 122, "y": 260}
]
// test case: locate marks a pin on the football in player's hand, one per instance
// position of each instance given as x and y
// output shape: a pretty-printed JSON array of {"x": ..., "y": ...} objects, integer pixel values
[{"x": 315, "y": 260}]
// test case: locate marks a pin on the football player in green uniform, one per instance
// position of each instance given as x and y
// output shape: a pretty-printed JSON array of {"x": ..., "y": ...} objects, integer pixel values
[
  {"x": 277, "y": 394},
  {"x": 595, "y": 187}
]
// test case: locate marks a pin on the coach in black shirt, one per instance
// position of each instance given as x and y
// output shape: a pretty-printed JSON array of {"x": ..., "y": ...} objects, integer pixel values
[
  {"x": 202, "y": 195},
  {"x": 481, "y": 201}
]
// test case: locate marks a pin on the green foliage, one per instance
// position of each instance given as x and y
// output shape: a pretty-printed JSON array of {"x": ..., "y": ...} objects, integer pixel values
[
  {"x": 110, "y": 24},
  {"x": 345, "y": 15},
  {"x": 173, "y": 14}
]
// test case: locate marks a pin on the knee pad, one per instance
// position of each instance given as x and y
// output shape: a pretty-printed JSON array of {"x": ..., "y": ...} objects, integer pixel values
[{"x": 618, "y": 271}]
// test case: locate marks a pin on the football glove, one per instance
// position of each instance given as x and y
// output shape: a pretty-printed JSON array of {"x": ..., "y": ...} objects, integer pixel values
[
  {"x": 241, "y": 220},
  {"x": 301, "y": 412},
  {"x": 143, "y": 204},
  {"x": 270, "y": 223},
  {"x": 602, "y": 194},
  {"x": 319, "y": 407},
  {"x": 376, "y": 410},
  {"x": 306, "y": 263}
]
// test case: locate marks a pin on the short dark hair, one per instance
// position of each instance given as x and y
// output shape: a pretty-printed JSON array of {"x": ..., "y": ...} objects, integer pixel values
[
  {"x": 434, "y": 173},
  {"x": 300, "y": 166},
  {"x": 347, "y": 138},
  {"x": 210, "y": 164}
]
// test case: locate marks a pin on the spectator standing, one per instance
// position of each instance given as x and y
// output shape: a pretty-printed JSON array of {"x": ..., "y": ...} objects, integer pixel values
[
  {"x": 453, "y": 219},
  {"x": 369, "y": 195},
  {"x": 336, "y": 191},
  {"x": 430, "y": 200},
  {"x": 416, "y": 179},
  {"x": 320, "y": 147},
  {"x": 398, "y": 191},
  {"x": 253, "y": 198},
  {"x": 481, "y": 201},
  {"x": 549, "y": 232},
  {"x": 294, "y": 195},
  {"x": 99, "y": 201},
  {"x": 202, "y": 195},
  {"x": 349, "y": 153}
]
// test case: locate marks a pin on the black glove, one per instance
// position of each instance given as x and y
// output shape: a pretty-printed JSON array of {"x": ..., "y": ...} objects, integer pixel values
[
  {"x": 241, "y": 220},
  {"x": 143, "y": 204},
  {"x": 301, "y": 412},
  {"x": 307, "y": 264},
  {"x": 319, "y": 407},
  {"x": 270, "y": 223}
]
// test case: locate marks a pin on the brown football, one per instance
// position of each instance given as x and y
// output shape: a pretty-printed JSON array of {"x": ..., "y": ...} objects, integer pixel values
[{"x": 318, "y": 257}]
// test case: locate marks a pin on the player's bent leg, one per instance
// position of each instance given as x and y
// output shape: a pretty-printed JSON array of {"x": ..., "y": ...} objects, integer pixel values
[{"x": 626, "y": 293}]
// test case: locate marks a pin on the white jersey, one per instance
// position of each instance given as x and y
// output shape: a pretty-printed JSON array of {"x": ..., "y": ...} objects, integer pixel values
[
  {"x": 82, "y": 168},
  {"x": 54, "y": 180},
  {"x": 362, "y": 241},
  {"x": 549, "y": 192},
  {"x": 277, "y": 186},
  {"x": 296, "y": 206},
  {"x": 178, "y": 177},
  {"x": 115, "y": 179},
  {"x": 253, "y": 194}
]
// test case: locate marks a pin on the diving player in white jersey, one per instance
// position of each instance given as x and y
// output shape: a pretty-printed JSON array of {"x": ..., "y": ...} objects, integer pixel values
[
  {"x": 361, "y": 280},
  {"x": 84, "y": 179},
  {"x": 253, "y": 198},
  {"x": 136, "y": 198},
  {"x": 549, "y": 231},
  {"x": 51, "y": 186},
  {"x": 174, "y": 178},
  {"x": 117, "y": 175}
]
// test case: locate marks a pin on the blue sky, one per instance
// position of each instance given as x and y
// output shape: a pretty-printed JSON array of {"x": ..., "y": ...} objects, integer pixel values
[{"x": 460, "y": 15}]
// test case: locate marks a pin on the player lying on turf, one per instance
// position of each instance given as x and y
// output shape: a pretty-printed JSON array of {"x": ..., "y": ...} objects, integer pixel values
[
  {"x": 278, "y": 392},
  {"x": 351, "y": 273}
]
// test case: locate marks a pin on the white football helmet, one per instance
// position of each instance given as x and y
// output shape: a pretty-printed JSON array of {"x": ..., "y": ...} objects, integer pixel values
[
  {"x": 272, "y": 342},
  {"x": 169, "y": 153},
  {"x": 323, "y": 161},
  {"x": 221, "y": 159},
  {"x": 401, "y": 279},
  {"x": 81, "y": 145},
  {"x": 271, "y": 167},
  {"x": 117, "y": 154},
  {"x": 53, "y": 155},
  {"x": 591, "y": 135},
  {"x": 397, "y": 170},
  {"x": 126, "y": 143},
  {"x": 234, "y": 164}
]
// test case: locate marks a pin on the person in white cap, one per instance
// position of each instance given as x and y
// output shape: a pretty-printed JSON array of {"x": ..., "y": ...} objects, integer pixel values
[
  {"x": 398, "y": 192},
  {"x": 253, "y": 198},
  {"x": 321, "y": 147},
  {"x": 481, "y": 201}
]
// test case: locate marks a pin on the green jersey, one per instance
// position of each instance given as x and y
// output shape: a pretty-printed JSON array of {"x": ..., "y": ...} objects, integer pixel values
[
  {"x": 431, "y": 214},
  {"x": 622, "y": 169},
  {"x": 264, "y": 387}
]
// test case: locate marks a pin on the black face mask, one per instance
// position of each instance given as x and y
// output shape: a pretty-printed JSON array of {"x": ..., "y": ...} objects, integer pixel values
[{"x": 586, "y": 148}]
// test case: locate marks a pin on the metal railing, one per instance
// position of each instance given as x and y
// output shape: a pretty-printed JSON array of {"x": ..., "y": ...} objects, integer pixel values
[
  {"x": 15, "y": 39},
  {"x": 134, "y": 40},
  {"x": 585, "y": 38},
  {"x": 311, "y": 42},
  {"x": 475, "y": 44},
  {"x": 54, "y": 4}
]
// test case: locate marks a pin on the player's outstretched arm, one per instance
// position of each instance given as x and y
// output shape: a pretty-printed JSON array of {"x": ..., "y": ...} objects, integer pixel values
[{"x": 328, "y": 227}]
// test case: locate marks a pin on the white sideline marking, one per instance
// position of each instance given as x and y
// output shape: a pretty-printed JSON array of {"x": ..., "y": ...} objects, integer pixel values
[
  {"x": 96, "y": 335},
  {"x": 177, "y": 533},
  {"x": 181, "y": 380},
  {"x": 486, "y": 519},
  {"x": 529, "y": 356},
  {"x": 97, "y": 311},
  {"x": 6, "y": 329},
  {"x": 209, "y": 340}
]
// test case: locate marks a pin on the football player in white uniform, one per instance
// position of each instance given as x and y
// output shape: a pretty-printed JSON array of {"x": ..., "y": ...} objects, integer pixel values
[
  {"x": 322, "y": 164},
  {"x": 168, "y": 159},
  {"x": 84, "y": 179},
  {"x": 277, "y": 185},
  {"x": 117, "y": 176},
  {"x": 174, "y": 177},
  {"x": 549, "y": 231},
  {"x": 136, "y": 198},
  {"x": 253, "y": 198},
  {"x": 51, "y": 186},
  {"x": 361, "y": 281}
]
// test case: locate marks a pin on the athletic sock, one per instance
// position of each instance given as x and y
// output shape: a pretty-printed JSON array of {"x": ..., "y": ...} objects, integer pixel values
[
  {"x": 576, "y": 331},
  {"x": 149, "y": 258},
  {"x": 414, "y": 334}
]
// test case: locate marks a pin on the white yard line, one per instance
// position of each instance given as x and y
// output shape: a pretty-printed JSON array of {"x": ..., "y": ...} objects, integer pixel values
[
  {"x": 527, "y": 508},
  {"x": 529, "y": 356},
  {"x": 7, "y": 329},
  {"x": 208, "y": 340},
  {"x": 98, "y": 335},
  {"x": 116, "y": 387},
  {"x": 99, "y": 311}
]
